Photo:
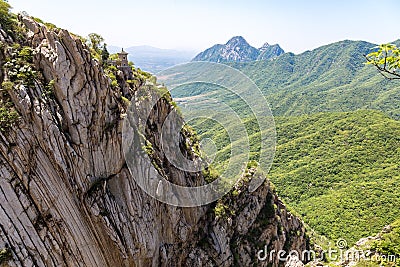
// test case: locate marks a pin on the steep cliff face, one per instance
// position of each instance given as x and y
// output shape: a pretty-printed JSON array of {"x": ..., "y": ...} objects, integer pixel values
[{"x": 67, "y": 197}]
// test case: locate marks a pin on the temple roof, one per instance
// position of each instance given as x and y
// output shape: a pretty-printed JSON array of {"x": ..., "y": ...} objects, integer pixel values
[{"x": 123, "y": 52}]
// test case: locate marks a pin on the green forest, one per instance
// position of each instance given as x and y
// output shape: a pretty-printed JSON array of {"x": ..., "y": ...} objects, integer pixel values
[{"x": 338, "y": 146}]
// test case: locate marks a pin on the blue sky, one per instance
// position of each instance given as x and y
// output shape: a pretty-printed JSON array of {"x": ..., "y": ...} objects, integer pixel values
[{"x": 195, "y": 25}]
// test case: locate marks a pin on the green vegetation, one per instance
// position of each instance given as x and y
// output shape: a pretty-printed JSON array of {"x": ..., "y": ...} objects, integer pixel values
[
  {"x": 7, "y": 86},
  {"x": 340, "y": 171},
  {"x": 9, "y": 23},
  {"x": 111, "y": 72},
  {"x": 210, "y": 174},
  {"x": 104, "y": 54},
  {"x": 126, "y": 101},
  {"x": 49, "y": 89},
  {"x": 220, "y": 210},
  {"x": 148, "y": 147},
  {"x": 385, "y": 248},
  {"x": 337, "y": 160},
  {"x": 8, "y": 116},
  {"x": 390, "y": 241},
  {"x": 98, "y": 48},
  {"x": 49, "y": 25},
  {"x": 330, "y": 78},
  {"x": 5, "y": 255},
  {"x": 19, "y": 67},
  {"x": 387, "y": 60},
  {"x": 6, "y": 17},
  {"x": 95, "y": 42}
]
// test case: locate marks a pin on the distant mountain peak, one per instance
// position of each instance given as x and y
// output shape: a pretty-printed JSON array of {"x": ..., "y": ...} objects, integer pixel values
[
  {"x": 268, "y": 51},
  {"x": 264, "y": 47},
  {"x": 237, "y": 49},
  {"x": 237, "y": 40}
]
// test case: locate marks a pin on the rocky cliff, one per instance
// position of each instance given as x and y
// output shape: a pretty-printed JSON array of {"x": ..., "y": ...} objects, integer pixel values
[
  {"x": 268, "y": 51},
  {"x": 67, "y": 197},
  {"x": 238, "y": 50}
]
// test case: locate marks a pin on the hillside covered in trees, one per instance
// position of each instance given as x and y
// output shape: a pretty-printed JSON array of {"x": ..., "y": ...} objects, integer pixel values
[{"x": 338, "y": 146}]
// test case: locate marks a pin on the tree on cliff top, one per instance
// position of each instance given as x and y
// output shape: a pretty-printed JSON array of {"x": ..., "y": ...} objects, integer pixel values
[
  {"x": 5, "y": 14},
  {"x": 95, "y": 41}
]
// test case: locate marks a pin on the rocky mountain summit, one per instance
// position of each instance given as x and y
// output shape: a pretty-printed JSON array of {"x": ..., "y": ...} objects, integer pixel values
[
  {"x": 268, "y": 51},
  {"x": 67, "y": 197},
  {"x": 238, "y": 50}
]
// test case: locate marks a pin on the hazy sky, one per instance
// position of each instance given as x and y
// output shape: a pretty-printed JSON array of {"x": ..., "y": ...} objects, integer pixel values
[{"x": 195, "y": 25}]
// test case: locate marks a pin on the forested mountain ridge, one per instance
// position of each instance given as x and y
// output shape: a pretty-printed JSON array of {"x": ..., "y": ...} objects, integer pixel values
[
  {"x": 333, "y": 77},
  {"x": 337, "y": 135},
  {"x": 330, "y": 78}
]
